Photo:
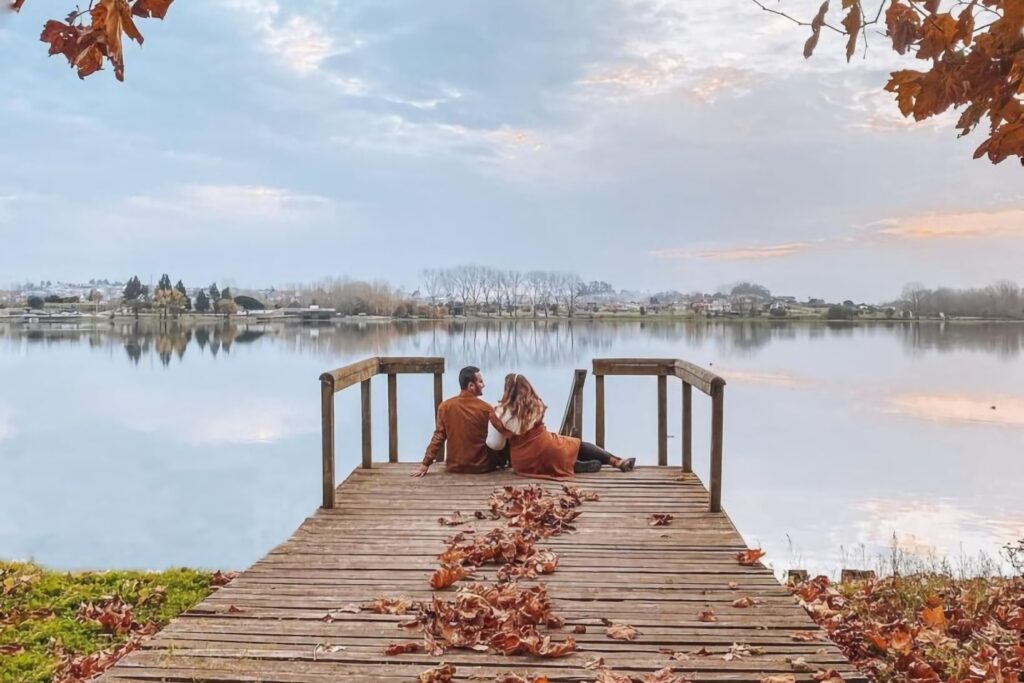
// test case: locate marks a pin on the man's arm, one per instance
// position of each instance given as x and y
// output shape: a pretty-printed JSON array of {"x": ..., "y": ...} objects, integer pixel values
[{"x": 435, "y": 445}]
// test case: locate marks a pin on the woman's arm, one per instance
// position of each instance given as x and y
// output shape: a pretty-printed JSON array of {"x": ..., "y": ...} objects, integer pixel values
[{"x": 495, "y": 439}]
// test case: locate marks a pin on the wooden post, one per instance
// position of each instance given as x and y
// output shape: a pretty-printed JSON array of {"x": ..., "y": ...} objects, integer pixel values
[
  {"x": 687, "y": 427},
  {"x": 662, "y": 420},
  {"x": 577, "y": 406},
  {"x": 717, "y": 421},
  {"x": 367, "y": 436},
  {"x": 437, "y": 404},
  {"x": 392, "y": 417},
  {"x": 327, "y": 434},
  {"x": 599, "y": 410},
  {"x": 796, "y": 576}
]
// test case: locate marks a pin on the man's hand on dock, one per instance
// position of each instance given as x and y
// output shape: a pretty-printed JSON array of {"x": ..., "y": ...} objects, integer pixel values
[{"x": 420, "y": 471}]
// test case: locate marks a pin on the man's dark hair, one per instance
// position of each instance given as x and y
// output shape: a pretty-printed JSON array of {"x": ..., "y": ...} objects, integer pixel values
[{"x": 467, "y": 375}]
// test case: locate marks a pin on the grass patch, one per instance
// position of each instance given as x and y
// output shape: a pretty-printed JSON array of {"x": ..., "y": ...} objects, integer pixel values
[{"x": 43, "y": 626}]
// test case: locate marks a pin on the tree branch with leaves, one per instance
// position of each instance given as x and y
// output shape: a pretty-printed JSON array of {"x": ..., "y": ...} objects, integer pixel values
[
  {"x": 88, "y": 37},
  {"x": 975, "y": 55}
]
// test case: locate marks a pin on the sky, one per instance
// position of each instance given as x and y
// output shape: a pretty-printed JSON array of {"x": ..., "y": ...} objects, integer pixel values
[{"x": 654, "y": 144}]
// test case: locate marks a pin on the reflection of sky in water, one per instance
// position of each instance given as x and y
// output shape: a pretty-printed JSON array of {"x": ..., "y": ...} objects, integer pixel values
[
  {"x": 202, "y": 447},
  {"x": 6, "y": 422}
]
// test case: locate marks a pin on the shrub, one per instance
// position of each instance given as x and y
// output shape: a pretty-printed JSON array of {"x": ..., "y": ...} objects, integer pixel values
[
  {"x": 227, "y": 307},
  {"x": 249, "y": 303},
  {"x": 840, "y": 313}
]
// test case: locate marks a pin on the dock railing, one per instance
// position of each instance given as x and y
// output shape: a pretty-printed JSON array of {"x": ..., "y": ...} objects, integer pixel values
[
  {"x": 361, "y": 373},
  {"x": 691, "y": 376},
  {"x": 572, "y": 420}
]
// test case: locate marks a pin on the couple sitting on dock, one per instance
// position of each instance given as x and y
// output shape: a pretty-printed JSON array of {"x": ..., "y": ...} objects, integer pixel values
[{"x": 481, "y": 438}]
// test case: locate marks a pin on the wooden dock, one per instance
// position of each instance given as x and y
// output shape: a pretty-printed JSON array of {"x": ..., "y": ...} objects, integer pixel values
[
  {"x": 383, "y": 538},
  {"x": 295, "y": 617}
]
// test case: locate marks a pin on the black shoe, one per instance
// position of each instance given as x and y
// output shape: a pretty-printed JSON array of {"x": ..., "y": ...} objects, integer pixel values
[{"x": 586, "y": 466}]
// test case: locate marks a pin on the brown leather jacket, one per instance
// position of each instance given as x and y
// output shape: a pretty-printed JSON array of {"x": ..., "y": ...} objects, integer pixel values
[{"x": 462, "y": 424}]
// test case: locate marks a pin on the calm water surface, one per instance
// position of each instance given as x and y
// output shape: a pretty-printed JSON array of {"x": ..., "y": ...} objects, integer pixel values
[{"x": 129, "y": 447}]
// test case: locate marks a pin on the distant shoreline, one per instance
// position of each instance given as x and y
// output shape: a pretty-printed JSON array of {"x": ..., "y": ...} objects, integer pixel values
[{"x": 258, "y": 318}]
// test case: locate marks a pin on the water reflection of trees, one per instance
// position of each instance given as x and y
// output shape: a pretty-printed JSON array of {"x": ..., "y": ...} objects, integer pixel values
[
  {"x": 508, "y": 343},
  {"x": 1001, "y": 339}
]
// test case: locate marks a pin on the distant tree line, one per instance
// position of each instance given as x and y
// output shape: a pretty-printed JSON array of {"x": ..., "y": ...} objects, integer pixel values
[
  {"x": 481, "y": 289},
  {"x": 1002, "y": 299},
  {"x": 351, "y": 297},
  {"x": 173, "y": 299}
]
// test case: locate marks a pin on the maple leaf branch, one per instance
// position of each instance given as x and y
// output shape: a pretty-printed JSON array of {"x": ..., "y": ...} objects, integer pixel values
[
  {"x": 982, "y": 8},
  {"x": 794, "y": 19}
]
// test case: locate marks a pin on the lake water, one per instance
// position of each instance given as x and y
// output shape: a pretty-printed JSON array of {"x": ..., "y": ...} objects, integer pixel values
[{"x": 137, "y": 448}]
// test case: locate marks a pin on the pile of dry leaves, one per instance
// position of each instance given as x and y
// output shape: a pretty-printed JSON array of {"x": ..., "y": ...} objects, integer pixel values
[
  {"x": 924, "y": 629},
  {"x": 500, "y": 617}
]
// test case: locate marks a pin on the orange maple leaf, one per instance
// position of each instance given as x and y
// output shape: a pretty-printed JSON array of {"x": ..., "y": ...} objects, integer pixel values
[{"x": 750, "y": 557}]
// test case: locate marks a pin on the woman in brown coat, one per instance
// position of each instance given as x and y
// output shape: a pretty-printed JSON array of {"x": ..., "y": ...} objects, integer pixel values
[{"x": 535, "y": 451}]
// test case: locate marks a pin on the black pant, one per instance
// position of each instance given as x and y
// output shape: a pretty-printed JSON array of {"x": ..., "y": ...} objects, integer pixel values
[{"x": 589, "y": 451}]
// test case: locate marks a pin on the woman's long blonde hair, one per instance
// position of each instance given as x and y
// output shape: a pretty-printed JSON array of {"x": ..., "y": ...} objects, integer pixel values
[{"x": 521, "y": 401}]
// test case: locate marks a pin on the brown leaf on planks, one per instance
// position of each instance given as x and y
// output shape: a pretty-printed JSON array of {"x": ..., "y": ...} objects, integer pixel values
[
  {"x": 390, "y": 606},
  {"x": 609, "y": 676},
  {"x": 750, "y": 557},
  {"x": 663, "y": 676},
  {"x": 619, "y": 630},
  {"x": 746, "y": 602},
  {"x": 659, "y": 519},
  {"x": 395, "y": 649},
  {"x": 446, "y": 576},
  {"x": 456, "y": 519},
  {"x": 441, "y": 674}
]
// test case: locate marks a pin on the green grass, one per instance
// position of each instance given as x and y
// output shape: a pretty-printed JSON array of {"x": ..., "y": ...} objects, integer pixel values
[{"x": 39, "y": 611}]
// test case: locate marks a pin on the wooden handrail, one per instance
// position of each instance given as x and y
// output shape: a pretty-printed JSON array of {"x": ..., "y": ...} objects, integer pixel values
[
  {"x": 572, "y": 420},
  {"x": 691, "y": 376},
  {"x": 361, "y": 373}
]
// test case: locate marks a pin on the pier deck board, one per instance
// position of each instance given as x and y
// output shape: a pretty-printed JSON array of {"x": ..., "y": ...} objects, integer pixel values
[{"x": 383, "y": 539}]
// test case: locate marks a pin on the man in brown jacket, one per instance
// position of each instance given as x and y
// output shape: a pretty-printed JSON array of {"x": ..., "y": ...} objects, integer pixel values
[{"x": 462, "y": 424}]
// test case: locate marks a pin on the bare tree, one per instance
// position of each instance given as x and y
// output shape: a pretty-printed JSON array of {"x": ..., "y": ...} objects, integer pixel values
[
  {"x": 537, "y": 287},
  {"x": 501, "y": 283},
  {"x": 490, "y": 287},
  {"x": 514, "y": 284},
  {"x": 914, "y": 294},
  {"x": 1006, "y": 298},
  {"x": 567, "y": 288},
  {"x": 463, "y": 286},
  {"x": 433, "y": 282}
]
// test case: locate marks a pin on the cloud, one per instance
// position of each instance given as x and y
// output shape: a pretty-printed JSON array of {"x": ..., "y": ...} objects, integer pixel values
[
  {"x": 874, "y": 110},
  {"x": 964, "y": 225},
  {"x": 503, "y": 150},
  {"x": 1000, "y": 223},
  {"x": 254, "y": 421},
  {"x": 298, "y": 40},
  {"x": 1006, "y": 411},
  {"x": 931, "y": 529},
  {"x": 251, "y": 202},
  {"x": 738, "y": 253},
  {"x": 662, "y": 73},
  {"x": 773, "y": 379}
]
